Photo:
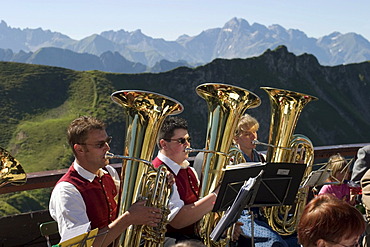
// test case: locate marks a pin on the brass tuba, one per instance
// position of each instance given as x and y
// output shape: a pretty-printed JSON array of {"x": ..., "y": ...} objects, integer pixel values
[
  {"x": 145, "y": 113},
  {"x": 11, "y": 170},
  {"x": 283, "y": 146},
  {"x": 226, "y": 104}
]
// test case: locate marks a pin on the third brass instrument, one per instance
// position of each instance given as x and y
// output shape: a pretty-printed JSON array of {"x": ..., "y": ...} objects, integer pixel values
[
  {"x": 11, "y": 170},
  {"x": 226, "y": 104},
  {"x": 145, "y": 113},
  {"x": 286, "y": 107}
]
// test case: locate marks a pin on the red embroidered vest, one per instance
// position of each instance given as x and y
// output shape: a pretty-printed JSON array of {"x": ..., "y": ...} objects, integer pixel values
[
  {"x": 98, "y": 195},
  {"x": 188, "y": 188}
]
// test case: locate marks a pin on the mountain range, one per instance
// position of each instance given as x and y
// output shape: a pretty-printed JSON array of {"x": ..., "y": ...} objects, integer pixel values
[{"x": 134, "y": 52}]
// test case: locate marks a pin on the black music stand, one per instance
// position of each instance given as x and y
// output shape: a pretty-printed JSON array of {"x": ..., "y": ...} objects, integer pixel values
[
  {"x": 277, "y": 184},
  {"x": 245, "y": 197}
]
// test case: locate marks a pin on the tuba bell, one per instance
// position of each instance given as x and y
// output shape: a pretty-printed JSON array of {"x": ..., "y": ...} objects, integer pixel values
[
  {"x": 226, "y": 104},
  {"x": 11, "y": 170},
  {"x": 145, "y": 113},
  {"x": 283, "y": 146}
]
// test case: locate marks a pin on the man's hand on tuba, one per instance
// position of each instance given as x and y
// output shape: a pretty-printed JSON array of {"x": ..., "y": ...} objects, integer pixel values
[
  {"x": 144, "y": 215},
  {"x": 237, "y": 231},
  {"x": 170, "y": 178}
]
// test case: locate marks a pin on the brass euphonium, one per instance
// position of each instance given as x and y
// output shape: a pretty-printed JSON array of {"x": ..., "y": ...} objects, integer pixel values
[
  {"x": 283, "y": 146},
  {"x": 145, "y": 113},
  {"x": 226, "y": 104},
  {"x": 11, "y": 170}
]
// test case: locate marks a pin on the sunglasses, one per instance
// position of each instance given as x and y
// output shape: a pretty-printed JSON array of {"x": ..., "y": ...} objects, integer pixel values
[
  {"x": 181, "y": 140},
  {"x": 99, "y": 144}
]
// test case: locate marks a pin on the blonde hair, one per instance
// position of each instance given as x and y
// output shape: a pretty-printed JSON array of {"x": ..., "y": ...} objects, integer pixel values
[
  {"x": 337, "y": 163},
  {"x": 246, "y": 123}
]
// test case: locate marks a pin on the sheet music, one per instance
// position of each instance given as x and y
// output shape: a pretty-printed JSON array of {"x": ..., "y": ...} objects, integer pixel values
[
  {"x": 83, "y": 240},
  {"x": 316, "y": 178},
  {"x": 233, "y": 213},
  {"x": 242, "y": 165}
]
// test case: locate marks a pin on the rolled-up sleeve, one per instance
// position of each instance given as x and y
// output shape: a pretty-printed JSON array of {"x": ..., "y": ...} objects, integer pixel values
[
  {"x": 68, "y": 209},
  {"x": 175, "y": 203}
]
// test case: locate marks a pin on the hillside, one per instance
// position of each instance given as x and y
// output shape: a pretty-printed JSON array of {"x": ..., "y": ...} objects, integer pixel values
[{"x": 37, "y": 102}]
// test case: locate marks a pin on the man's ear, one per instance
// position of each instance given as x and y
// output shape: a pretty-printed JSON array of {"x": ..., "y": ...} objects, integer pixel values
[
  {"x": 321, "y": 243},
  {"x": 78, "y": 148},
  {"x": 162, "y": 144}
]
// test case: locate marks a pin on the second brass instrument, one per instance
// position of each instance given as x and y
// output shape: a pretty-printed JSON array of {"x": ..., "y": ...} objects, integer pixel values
[{"x": 226, "y": 104}]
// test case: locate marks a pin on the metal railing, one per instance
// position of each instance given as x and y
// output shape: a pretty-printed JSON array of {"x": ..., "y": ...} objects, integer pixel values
[
  {"x": 47, "y": 179},
  {"x": 27, "y": 224}
]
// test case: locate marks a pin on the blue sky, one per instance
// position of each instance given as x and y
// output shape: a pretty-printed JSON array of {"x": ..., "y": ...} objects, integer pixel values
[{"x": 169, "y": 19}]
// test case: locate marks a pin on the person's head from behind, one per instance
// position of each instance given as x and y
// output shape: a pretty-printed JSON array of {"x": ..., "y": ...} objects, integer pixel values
[
  {"x": 339, "y": 168},
  {"x": 189, "y": 243},
  {"x": 328, "y": 221},
  {"x": 246, "y": 132},
  {"x": 89, "y": 141},
  {"x": 173, "y": 138}
]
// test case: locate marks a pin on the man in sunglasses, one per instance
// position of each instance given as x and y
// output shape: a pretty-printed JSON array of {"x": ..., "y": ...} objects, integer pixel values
[
  {"x": 185, "y": 205},
  {"x": 85, "y": 197}
]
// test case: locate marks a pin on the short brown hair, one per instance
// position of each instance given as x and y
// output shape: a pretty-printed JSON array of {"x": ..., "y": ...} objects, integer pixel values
[
  {"x": 328, "y": 218},
  {"x": 170, "y": 124},
  {"x": 79, "y": 128}
]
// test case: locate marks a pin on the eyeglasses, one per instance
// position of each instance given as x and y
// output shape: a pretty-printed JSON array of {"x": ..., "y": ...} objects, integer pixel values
[
  {"x": 352, "y": 245},
  {"x": 99, "y": 144},
  {"x": 181, "y": 140}
]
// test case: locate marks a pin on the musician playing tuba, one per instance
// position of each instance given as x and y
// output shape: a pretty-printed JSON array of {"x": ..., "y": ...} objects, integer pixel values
[
  {"x": 85, "y": 197},
  {"x": 185, "y": 205},
  {"x": 244, "y": 139}
]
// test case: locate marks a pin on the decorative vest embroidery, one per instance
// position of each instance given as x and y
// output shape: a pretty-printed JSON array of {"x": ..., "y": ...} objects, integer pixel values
[{"x": 98, "y": 195}]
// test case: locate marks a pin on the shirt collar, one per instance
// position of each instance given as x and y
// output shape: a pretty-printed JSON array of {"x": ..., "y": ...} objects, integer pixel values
[
  {"x": 255, "y": 155},
  {"x": 172, "y": 164},
  {"x": 85, "y": 173}
]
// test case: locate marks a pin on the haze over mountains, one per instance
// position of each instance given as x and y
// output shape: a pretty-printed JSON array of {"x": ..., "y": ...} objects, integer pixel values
[{"x": 134, "y": 52}]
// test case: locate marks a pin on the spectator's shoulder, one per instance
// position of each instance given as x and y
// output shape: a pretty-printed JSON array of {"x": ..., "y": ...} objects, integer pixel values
[{"x": 366, "y": 149}]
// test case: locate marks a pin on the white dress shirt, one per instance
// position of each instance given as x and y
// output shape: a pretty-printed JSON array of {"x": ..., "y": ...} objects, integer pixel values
[
  {"x": 175, "y": 203},
  {"x": 67, "y": 206}
]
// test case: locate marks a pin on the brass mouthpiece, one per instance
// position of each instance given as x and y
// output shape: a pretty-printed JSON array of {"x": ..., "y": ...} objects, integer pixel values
[
  {"x": 256, "y": 142},
  {"x": 189, "y": 150},
  {"x": 109, "y": 155}
]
